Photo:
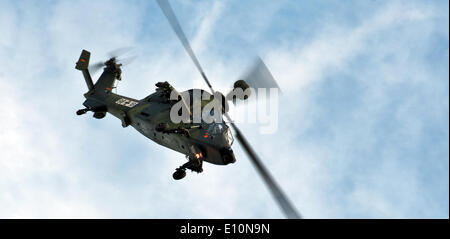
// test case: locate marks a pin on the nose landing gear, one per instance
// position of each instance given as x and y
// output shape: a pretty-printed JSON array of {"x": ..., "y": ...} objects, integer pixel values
[
  {"x": 194, "y": 164},
  {"x": 179, "y": 174}
]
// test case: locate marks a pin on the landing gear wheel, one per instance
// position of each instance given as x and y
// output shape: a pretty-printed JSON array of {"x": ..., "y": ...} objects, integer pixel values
[{"x": 179, "y": 174}]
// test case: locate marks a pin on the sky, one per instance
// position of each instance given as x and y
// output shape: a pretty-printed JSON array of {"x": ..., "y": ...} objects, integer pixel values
[{"x": 363, "y": 122}]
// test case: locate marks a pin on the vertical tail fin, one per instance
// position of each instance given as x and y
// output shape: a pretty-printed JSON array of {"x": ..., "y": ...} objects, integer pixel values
[{"x": 82, "y": 65}]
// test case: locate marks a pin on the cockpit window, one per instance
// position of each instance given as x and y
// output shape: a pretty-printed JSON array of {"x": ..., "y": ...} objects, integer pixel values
[
  {"x": 221, "y": 129},
  {"x": 229, "y": 137},
  {"x": 217, "y": 128}
]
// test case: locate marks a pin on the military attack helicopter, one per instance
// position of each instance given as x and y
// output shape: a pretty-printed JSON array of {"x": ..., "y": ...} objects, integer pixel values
[{"x": 199, "y": 141}]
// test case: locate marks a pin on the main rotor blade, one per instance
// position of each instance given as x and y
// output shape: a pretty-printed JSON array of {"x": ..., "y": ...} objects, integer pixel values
[
  {"x": 279, "y": 196},
  {"x": 167, "y": 10},
  {"x": 287, "y": 208}
]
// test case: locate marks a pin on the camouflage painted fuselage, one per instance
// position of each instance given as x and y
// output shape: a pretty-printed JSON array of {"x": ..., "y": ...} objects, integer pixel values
[{"x": 213, "y": 140}]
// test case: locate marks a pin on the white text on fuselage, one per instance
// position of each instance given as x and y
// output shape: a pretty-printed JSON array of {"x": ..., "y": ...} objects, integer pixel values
[{"x": 126, "y": 102}]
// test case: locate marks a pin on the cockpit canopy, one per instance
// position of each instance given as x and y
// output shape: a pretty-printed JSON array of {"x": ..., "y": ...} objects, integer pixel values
[
  {"x": 221, "y": 129},
  {"x": 217, "y": 128}
]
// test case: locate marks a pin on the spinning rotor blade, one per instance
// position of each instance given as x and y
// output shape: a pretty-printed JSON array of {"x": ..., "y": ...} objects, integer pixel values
[
  {"x": 93, "y": 68},
  {"x": 288, "y": 210},
  {"x": 279, "y": 196},
  {"x": 259, "y": 76},
  {"x": 167, "y": 10},
  {"x": 119, "y": 51},
  {"x": 127, "y": 60}
]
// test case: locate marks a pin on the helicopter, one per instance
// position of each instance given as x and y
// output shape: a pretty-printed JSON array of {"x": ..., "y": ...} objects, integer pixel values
[{"x": 199, "y": 140}]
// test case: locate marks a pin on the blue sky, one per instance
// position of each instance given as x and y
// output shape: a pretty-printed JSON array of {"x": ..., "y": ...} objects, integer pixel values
[{"x": 363, "y": 122}]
